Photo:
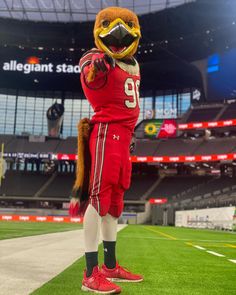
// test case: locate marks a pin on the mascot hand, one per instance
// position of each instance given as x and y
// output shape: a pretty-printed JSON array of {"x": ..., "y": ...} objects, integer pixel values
[
  {"x": 74, "y": 207},
  {"x": 102, "y": 62}
]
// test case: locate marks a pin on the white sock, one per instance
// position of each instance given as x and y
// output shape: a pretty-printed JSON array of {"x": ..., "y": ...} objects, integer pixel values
[
  {"x": 109, "y": 228},
  {"x": 92, "y": 225}
]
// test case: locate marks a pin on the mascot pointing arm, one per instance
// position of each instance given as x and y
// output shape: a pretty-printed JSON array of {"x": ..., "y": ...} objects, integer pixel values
[{"x": 110, "y": 80}]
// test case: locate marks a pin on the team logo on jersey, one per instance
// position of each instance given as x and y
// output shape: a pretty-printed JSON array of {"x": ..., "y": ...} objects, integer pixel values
[{"x": 116, "y": 137}]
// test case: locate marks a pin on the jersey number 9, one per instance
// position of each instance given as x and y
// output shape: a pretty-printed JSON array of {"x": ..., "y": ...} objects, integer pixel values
[{"x": 132, "y": 89}]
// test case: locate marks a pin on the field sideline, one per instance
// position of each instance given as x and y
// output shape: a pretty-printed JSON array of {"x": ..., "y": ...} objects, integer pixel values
[
  {"x": 172, "y": 260},
  {"x": 15, "y": 229}
]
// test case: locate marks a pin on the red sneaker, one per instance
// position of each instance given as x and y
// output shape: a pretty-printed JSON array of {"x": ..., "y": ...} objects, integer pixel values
[
  {"x": 98, "y": 283},
  {"x": 120, "y": 274}
]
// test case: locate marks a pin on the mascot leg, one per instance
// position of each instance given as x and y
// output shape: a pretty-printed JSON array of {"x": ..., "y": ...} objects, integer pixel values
[
  {"x": 92, "y": 224},
  {"x": 109, "y": 234}
]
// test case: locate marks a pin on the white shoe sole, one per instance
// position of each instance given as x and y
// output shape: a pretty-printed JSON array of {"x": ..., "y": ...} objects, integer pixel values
[
  {"x": 86, "y": 289},
  {"x": 122, "y": 280}
]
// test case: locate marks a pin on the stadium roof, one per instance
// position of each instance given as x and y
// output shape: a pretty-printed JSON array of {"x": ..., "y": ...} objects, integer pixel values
[{"x": 76, "y": 10}]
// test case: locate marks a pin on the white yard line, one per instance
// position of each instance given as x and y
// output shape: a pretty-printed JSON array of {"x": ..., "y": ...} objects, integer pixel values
[
  {"x": 215, "y": 253},
  {"x": 232, "y": 260},
  {"x": 29, "y": 262},
  {"x": 199, "y": 247}
]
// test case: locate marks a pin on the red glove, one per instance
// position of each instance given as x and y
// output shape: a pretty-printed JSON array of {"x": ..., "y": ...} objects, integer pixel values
[
  {"x": 102, "y": 62},
  {"x": 74, "y": 207}
]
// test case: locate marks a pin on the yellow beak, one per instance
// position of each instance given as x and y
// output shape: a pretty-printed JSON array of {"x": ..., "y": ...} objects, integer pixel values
[{"x": 124, "y": 38}]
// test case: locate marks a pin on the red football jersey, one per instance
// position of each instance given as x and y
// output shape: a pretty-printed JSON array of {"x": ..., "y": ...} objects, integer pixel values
[{"x": 114, "y": 96}]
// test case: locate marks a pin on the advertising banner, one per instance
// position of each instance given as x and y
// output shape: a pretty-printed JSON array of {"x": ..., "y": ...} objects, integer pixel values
[
  {"x": 157, "y": 128},
  {"x": 31, "y": 218},
  {"x": 213, "y": 218}
]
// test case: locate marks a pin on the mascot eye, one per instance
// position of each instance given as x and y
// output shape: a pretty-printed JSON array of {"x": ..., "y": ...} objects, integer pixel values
[
  {"x": 105, "y": 23},
  {"x": 130, "y": 24}
]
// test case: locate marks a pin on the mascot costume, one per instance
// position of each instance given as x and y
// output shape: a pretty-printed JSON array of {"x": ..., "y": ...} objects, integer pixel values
[{"x": 110, "y": 80}]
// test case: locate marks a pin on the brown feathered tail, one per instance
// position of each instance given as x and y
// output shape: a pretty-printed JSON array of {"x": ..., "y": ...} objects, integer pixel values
[{"x": 81, "y": 186}]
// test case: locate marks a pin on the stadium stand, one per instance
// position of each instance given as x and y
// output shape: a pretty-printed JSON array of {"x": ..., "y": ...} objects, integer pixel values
[
  {"x": 204, "y": 113},
  {"x": 67, "y": 146},
  {"x": 174, "y": 147},
  {"x": 60, "y": 187},
  {"x": 146, "y": 147},
  {"x": 174, "y": 185},
  {"x": 22, "y": 144},
  {"x": 140, "y": 183},
  {"x": 22, "y": 183},
  {"x": 229, "y": 113}
]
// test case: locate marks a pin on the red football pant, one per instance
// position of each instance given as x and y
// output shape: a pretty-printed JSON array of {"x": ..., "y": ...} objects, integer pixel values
[{"x": 111, "y": 167}]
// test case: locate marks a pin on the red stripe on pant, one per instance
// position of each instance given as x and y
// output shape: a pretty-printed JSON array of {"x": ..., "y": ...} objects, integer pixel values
[{"x": 99, "y": 159}]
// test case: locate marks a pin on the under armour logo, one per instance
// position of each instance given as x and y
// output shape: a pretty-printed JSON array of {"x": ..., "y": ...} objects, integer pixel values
[{"x": 116, "y": 137}]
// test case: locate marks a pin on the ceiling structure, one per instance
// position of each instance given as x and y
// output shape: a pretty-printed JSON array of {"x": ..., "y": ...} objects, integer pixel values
[
  {"x": 76, "y": 10},
  {"x": 171, "y": 38}
]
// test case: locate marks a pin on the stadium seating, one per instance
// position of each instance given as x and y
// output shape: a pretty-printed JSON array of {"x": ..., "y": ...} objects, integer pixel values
[
  {"x": 140, "y": 183},
  {"x": 60, "y": 187},
  {"x": 22, "y": 183},
  {"x": 67, "y": 146},
  {"x": 175, "y": 147},
  {"x": 229, "y": 113},
  {"x": 203, "y": 114},
  {"x": 174, "y": 185}
]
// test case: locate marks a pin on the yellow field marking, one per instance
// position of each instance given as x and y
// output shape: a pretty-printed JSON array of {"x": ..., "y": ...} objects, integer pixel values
[
  {"x": 230, "y": 246},
  {"x": 161, "y": 233},
  {"x": 189, "y": 244}
]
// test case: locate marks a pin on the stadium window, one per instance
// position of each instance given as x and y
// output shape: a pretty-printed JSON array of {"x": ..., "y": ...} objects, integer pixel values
[
  {"x": 184, "y": 102},
  {"x": 148, "y": 105},
  {"x": 7, "y": 108},
  {"x": 142, "y": 112},
  {"x": 169, "y": 110},
  {"x": 159, "y": 107}
]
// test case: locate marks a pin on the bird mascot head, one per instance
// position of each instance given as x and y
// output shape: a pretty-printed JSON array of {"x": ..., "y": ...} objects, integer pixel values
[{"x": 117, "y": 32}]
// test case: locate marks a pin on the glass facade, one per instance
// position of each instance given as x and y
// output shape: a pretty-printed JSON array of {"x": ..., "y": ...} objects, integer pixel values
[{"x": 26, "y": 113}]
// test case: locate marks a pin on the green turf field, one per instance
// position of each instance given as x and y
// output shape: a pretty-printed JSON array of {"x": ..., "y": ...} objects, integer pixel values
[
  {"x": 169, "y": 262},
  {"x": 14, "y": 229}
]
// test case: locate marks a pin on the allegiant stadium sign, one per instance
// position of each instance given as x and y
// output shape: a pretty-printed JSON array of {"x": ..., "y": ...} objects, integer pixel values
[{"x": 27, "y": 68}]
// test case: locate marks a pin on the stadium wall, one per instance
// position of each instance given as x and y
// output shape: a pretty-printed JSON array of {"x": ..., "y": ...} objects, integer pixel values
[{"x": 214, "y": 218}]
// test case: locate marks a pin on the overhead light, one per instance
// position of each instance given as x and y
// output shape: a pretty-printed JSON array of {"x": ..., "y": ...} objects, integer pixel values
[
  {"x": 166, "y": 41},
  {"x": 71, "y": 49},
  {"x": 208, "y": 32},
  {"x": 40, "y": 48}
]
